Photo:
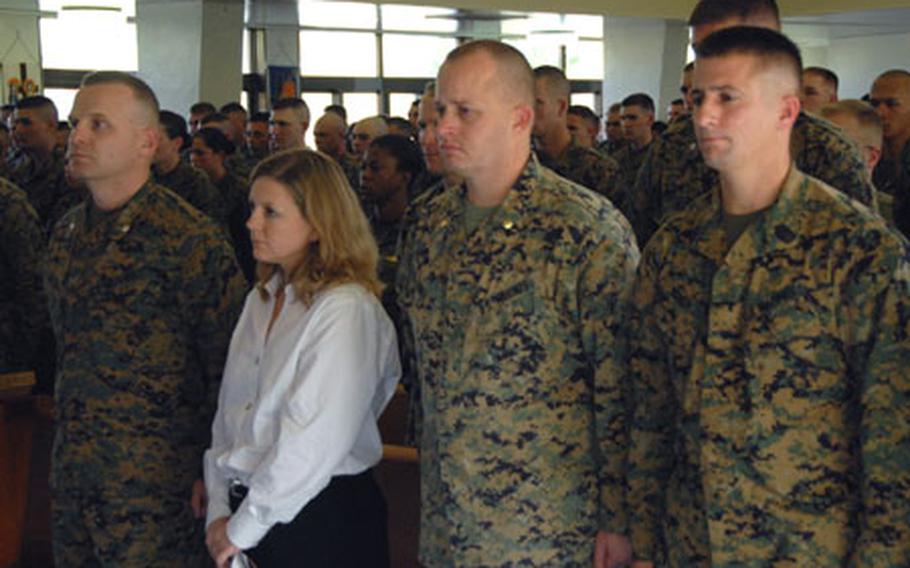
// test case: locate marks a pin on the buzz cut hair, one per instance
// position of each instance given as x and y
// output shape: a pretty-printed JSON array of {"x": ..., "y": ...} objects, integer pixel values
[
  {"x": 615, "y": 107},
  {"x": 299, "y": 106},
  {"x": 515, "y": 72},
  {"x": 232, "y": 107},
  {"x": 894, "y": 74},
  {"x": 585, "y": 114},
  {"x": 260, "y": 116},
  {"x": 556, "y": 81},
  {"x": 44, "y": 105},
  {"x": 827, "y": 75},
  {"x": 143, "y": 94},
  {"x": 770, "y": 47},
  {"x": 745, "y": 11},
  {"x": 640, "y": 100},
  {"x": 202, "y": 107},
  {"x": 868, "y": 120}
]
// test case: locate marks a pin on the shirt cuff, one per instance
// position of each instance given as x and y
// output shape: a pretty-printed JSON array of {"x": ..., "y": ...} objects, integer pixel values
[{"x": 244, "y": 530}]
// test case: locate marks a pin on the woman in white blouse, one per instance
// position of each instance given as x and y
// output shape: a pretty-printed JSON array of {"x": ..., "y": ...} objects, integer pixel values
[{"x": 312, "y": 364}]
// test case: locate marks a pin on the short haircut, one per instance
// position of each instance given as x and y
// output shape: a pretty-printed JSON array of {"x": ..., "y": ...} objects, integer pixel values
[
  {"x": 143, "y": 94},
  {"x": 345, "y": 251},
  {"x": 827, "y": 75},
  {"x": 214, "y": 117},
  {"x": 677, "y": 102},
  {"x": 40, "y": 103},
  {"x": 869, "y": 121},
  {"x": 400, "y": 123},
  {"x": 62, "y": 125},
  {"x": 640, "y": 100},
  {"x": 514, "y": 71},
  {"x": 260, "y": 117},
  {"x": 202, "y": 107},
  {"x": 615, "y": 107},
  {"x": 339, "y": 110},
  {"x": 215, "y": 140},
  {"x": 3, "y": 128},
  {"x": 429, "y": 90},
  {"x": 555, "y": 80},
  {"x": 659, "y": 127},
  {"x": 770, "y": 47},
  {"x": 299, "y": 106},
  {"x": 231, "y": 108},
  {"x": 174, "y": 125},
  {"x": 407, "y": 153},
  {"x": 585, "y": 114},
  {"x": 894, "y": 74},
  {"x": 745, "y": 11},
  {"x": 8, "y": 107},
  {"x": 690, "y": 66}
]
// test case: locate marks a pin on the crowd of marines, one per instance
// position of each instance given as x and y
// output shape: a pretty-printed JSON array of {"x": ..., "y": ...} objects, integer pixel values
[{"x": 677, "y": 348}]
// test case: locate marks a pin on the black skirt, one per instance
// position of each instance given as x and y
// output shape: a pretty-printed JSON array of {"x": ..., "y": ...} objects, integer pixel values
[{"x": 344, "y": 526}]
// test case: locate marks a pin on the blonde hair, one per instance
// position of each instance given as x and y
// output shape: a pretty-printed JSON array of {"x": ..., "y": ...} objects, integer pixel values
[{"x": 345, "y": 251}]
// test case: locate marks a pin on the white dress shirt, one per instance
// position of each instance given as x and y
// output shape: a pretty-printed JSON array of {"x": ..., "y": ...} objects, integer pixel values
[{"x": 300, "y": 406}]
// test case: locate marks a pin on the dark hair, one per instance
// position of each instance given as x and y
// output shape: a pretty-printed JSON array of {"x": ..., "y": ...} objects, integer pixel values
[
  {"x": 215, "y": 140},
  {"x": 339, "y": 110},
  {"x": 140, "y": 89},
  {"x": 768, "y": 45},
  {"x": 690, "y": 66},
  {"x": 406, "y": 152},
  {"x": 39, "y": 102},
  {"x": 585, "y": 113},
  {"x": 555, "y": 79},
  {"x": 400, "y": 123},
  {"x": 615, "y": 107},
  {"x": 640, "y": 100},
  {"x": 63, "y": 125},
  {"x": 299, "y": 106},
  {"x": 677, "y": 102},
  {"x": 3, "y": 128},
  {"x": 202, "y": 108},
  {"x": 228, "y": 108},
  {"x": 827, "y": 75},
  {"x": 659, "y": 127},
  {"x": 714, "y": 11},
  {"x": 174, "y": 124},
  {"x": 260, "y": 117},
  {"x": 213, "y": 117}
]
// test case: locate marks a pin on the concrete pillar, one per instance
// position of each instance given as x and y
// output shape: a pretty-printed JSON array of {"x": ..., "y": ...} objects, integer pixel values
[
  {"x": 643, "y": 55},
  {"x": 19, "y": 42},
  {"x": 190, "y": 50},
  {"x": 280, "y": 20}
]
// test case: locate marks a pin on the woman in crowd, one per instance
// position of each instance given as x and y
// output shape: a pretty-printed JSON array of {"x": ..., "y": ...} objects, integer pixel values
[
  {"x": 312, "y": 364},
  {"x": 209, "y": 151}
]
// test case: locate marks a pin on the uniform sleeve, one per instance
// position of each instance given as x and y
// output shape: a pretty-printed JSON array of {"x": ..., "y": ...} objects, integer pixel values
[
  {"x": 643, "y": 199},
  {"x": 605, "y": 282},
  {"x": 879, "y": 312},
  {"x": 212, "y": 298},
  {"x": 337, "y": 375},
  {"x": 651, "y": 414},
  {"x": 22, "y": 250}
]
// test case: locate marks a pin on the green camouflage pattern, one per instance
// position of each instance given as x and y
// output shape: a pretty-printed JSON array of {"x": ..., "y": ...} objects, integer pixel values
[
  {"x": 674, "y": 173},
  {"x": 892, "y": 177},
  {"x": 194, "y": 186},
  {"x": 630, "y": 161},
  {"x": 612, "y": 147},
  {"x": 234, "y": 199},
  {"x": 240, "y": 164},
  {"x": 24, "y": 323},
  {"x": 770, "y": 385},
  {"x": 586, "y": 167},
  {"x": 143, "y": 302},
  {"x": 517, "y": 348},
  {"x": 45, "y": 184}
]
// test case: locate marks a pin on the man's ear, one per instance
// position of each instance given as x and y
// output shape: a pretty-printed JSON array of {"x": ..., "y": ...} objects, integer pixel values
[
  {"x": 788, "y": 110},
  {"x": 523, "y": 117}
]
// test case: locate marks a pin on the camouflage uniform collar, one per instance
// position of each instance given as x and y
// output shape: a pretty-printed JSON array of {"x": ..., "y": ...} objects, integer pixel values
[
  {"x": 780, "y": 227},
  {"x": 129, "y": 213}
]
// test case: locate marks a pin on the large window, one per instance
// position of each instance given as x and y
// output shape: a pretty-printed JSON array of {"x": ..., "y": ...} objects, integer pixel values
[{"x": 89, "y": 35}]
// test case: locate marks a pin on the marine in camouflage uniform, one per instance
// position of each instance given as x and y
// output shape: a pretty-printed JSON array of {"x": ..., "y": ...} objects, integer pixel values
[
  {"x": 588, "y": 168},
  {"x": 674, "y": 173},
  {"x": 234, "y": 195},
  {"x": 630, "y": 161},
  {"x": 515, "y": 334},
  {"x": 893, "y": 178},
  {"x": 143, "y": 301},
  {"x": 193, "y": 185},
  {"x": 770, "y": 381},
  {"x": 25, "y": 337},
  {"x": 45, "y": 184}
]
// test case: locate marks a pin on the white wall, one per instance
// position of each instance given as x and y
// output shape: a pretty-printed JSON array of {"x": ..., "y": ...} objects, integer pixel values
[
  {"x": 19, "y": 42},
  {"x": 859, "y": 60},
  {"x": 643, "y": 55}
]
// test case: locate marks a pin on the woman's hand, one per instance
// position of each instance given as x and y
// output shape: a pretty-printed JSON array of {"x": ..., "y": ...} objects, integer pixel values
[{"x": 220, "y": 546}]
